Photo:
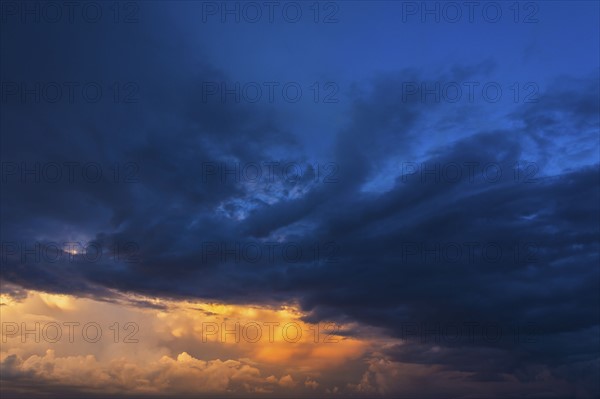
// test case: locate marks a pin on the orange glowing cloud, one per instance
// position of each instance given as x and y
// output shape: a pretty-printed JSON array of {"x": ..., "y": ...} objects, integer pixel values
[{"x": 172, "y": 347}]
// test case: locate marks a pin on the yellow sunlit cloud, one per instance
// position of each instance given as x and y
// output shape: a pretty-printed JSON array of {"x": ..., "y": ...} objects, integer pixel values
[{"x": 185, "y": 346}]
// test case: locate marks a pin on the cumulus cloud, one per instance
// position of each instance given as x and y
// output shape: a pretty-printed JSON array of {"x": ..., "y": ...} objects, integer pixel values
[{"x": 183, "y": 374}]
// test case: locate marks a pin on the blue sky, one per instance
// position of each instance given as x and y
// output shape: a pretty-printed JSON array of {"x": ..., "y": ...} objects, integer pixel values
[{"x": 366, "y": 42}]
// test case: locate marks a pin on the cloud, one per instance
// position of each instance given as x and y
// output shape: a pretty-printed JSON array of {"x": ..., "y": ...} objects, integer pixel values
[
  {"x": 183, "y": 374},
  {"x": 395, "y": 244},
  {"x": 287, "y": 381},
  {"x": 69, "y": 344},
  {"x": 311, "y": 383}
]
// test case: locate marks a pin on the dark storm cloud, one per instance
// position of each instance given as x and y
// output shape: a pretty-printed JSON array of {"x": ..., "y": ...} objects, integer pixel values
[
  {"x": 161, "y": 140},
  {"x": 546, "y": 228}
]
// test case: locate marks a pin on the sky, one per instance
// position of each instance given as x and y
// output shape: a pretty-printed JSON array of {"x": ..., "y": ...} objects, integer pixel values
[{"x": 343, "y": 199}]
